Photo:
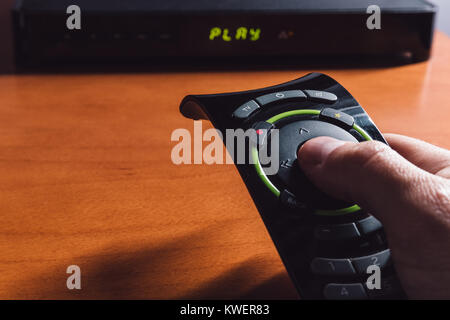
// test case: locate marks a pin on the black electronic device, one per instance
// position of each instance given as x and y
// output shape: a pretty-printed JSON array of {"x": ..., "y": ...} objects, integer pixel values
[
  {"x": 231, "y": 30},
  {"x": 326, "y": 244}
]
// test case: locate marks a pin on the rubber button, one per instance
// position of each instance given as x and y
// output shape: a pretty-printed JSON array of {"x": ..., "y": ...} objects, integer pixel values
[
  {"x": 290, "y": 201},
  {"x": 282, "y": 95},
  {"x": 344, "y": 291},
  {"x": 337, "y": 117},
  {"x": 381, "y": 259},
  {"x": 321, "y": 96},
  {"x": 390, "y": 288},
  {"x": 262, "y": 130},
  {"x": 337, "y": 267},
  {"x": 245, "y": 110},
  {"x": 293, "y": 135},
  {"x": 336, "y": 232},
  {"x": 369, "y": 225}
]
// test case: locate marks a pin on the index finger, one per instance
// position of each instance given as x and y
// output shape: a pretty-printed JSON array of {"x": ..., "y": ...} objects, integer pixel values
[{"x": 429, "y": 157}]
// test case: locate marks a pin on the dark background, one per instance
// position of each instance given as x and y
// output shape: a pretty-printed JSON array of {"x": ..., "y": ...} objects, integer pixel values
[
  {"x": 6, "y": 51},
  {"x": 6, "y": 43}
]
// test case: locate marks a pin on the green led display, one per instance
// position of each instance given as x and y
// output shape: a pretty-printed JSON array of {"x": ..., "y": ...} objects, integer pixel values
[{"x": 241, "y": 33}]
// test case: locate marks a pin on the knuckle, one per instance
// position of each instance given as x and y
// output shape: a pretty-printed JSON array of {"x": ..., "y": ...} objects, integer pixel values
[
  {"x": 430, "y": 200},
  {"x": 367, "y": 154},
  {"x": 439, "y": 197}
]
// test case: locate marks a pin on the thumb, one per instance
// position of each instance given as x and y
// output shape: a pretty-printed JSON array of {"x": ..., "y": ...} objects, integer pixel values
[
  {"x": 370, "y": 174},
  {"x": 412, "y": 204}
]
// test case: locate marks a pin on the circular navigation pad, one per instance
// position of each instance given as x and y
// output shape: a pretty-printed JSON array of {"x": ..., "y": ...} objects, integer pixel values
[
  {"x": 289, "y": 184},
  {"x": 292, "y": 136}
]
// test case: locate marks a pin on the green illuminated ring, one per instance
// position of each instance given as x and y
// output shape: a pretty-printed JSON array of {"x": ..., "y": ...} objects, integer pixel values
[{"x": 262, "y": 175}]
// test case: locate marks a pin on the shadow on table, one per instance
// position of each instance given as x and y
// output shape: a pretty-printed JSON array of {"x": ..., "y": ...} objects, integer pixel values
[
  {"x": 163, "y": 272},
  {"x": 229, "y": 286}
]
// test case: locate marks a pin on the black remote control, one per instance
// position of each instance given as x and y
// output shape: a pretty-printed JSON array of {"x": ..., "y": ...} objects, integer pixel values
[{"x": 327, "y": 245}]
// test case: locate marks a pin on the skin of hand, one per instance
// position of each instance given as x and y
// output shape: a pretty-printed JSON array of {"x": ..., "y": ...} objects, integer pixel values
[{"x": 407, "y": 187}]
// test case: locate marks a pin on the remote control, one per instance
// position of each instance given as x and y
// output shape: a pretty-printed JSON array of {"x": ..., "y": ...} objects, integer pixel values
[{"x": 327, "y": 246}]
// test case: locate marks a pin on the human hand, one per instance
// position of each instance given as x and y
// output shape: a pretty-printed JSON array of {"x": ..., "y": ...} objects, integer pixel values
[{"x": 408, "y": 190}]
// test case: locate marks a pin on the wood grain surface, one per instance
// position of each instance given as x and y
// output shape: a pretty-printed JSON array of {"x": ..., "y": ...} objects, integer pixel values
[{"x": 86, "y": 179}]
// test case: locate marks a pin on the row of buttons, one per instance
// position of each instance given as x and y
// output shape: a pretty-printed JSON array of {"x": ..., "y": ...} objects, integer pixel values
[
  {"x": 347, "y": 230},
  {"x": 245, "y": 110},
  {"x": 346, "y": 267},
  {"x": 390, "y": 287}
]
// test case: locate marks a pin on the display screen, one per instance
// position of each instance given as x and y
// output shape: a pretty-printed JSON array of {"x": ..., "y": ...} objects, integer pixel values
[
  {"x": 238, "y": 34},
  {"x": 249, "y": 35}
]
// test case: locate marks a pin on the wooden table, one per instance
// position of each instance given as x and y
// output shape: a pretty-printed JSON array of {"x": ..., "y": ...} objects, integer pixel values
[{"x": 86, "y": 179}]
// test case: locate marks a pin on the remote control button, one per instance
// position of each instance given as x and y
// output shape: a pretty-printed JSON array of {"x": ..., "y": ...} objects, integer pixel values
[
  {"x": 381, "y": 259},
  {"x": 369, "y": 225},
  {"x": 293, "y": 135},
  {"x": 390, "y": 288},
  {"x": 344, "y": 291},
  {"x": 246, "y": 110},
  {"x": 283, "y": 95},
  {"x": 290, "y": 201},
  {"x": 336, "y": 232},
  {"x": 321, "y": 96},
  {"x": 337, "y": 267},
  {"x": 337, "y": 117},
  {"x": 262, "y": 130}
]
